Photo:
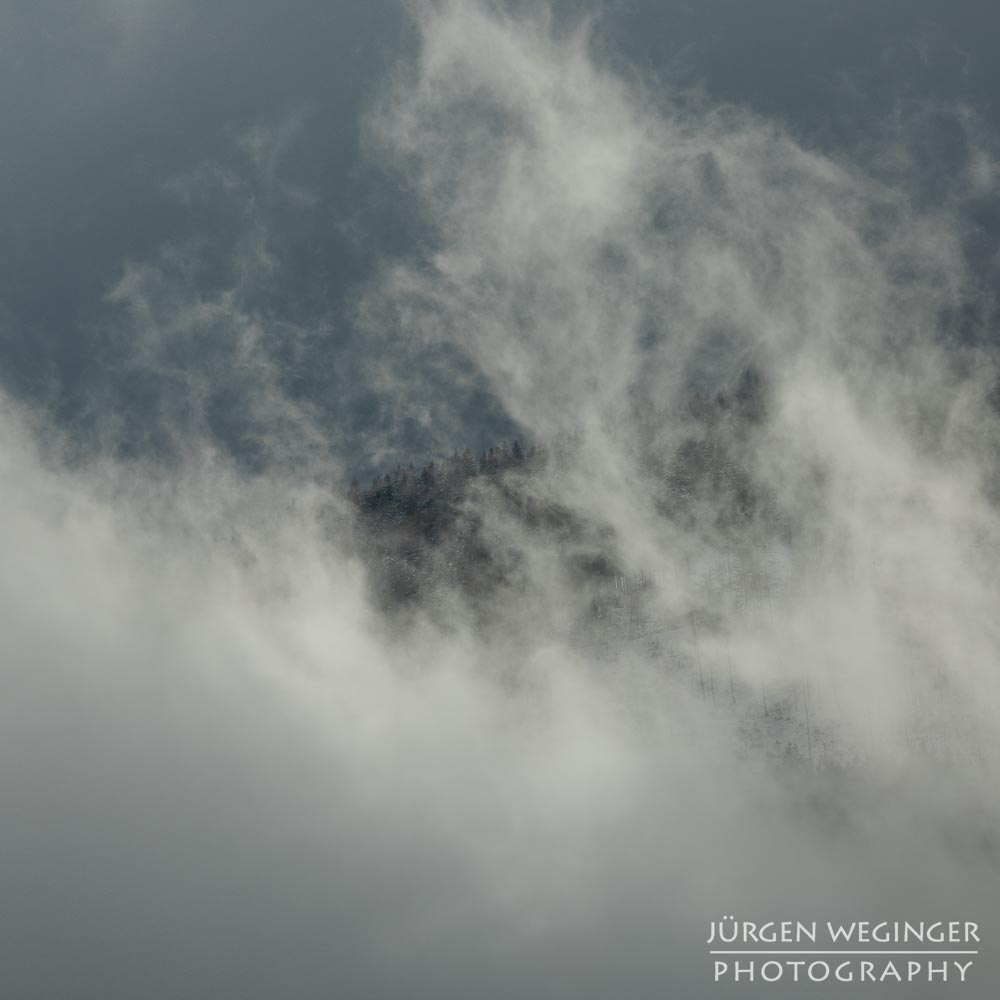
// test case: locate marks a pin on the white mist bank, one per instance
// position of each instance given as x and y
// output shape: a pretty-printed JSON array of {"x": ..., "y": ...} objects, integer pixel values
[{"x": 225, "y": 773}]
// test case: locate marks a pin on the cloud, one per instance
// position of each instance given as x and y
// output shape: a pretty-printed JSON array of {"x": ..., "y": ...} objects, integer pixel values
[{"x": 228, "y": 773}]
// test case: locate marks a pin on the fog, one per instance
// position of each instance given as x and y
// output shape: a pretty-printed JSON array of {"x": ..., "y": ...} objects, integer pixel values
[{"x": 227, "y": 770}]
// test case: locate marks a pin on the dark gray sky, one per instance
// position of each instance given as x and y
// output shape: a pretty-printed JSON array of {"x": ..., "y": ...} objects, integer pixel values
[{"x": 107, "y": 107}]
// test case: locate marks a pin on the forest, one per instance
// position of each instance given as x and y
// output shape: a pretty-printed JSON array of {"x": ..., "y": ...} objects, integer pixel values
[{"x": 423, "y": 529}]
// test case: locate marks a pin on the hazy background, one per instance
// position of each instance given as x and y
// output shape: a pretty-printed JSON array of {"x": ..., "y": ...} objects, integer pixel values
[
  {"x": 252, "y": 251},
  {"x": 132, "y": 127}
]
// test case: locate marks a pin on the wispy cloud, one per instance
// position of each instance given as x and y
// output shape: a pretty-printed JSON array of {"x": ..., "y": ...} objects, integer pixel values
[{"x": 227, "y": 772}]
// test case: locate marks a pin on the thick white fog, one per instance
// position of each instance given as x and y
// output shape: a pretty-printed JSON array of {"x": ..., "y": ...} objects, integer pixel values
[{"x": 227, "y": 772}]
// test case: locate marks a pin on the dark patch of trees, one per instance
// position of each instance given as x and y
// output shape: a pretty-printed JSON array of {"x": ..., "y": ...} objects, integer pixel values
[
  {"x": 431, "y": 530},
  {"x": 707, "y": 478},
  {"x": 425, "y": 532}
]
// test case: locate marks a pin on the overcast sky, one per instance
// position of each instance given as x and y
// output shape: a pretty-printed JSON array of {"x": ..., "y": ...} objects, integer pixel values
[
  {"x": 250, "y": 249},
  {"x": 117, "y": 116}
]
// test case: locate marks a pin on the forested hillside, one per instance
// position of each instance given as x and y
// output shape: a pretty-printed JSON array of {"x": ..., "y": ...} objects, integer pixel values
[{"x": 422, "y": 529}]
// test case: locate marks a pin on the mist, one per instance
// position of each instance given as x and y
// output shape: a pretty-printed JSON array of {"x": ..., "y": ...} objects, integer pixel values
[{"x": 229, "y": 770}]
